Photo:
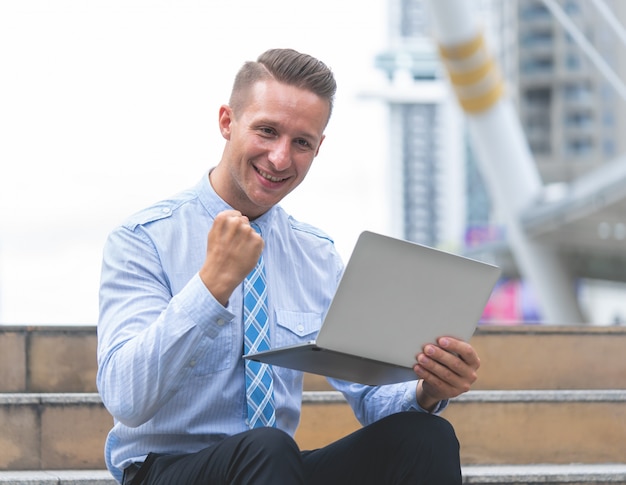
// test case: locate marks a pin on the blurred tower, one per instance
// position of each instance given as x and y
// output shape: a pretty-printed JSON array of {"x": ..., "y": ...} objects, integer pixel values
[
  {"x": 427, "y": 137},
  {"x": 439, "y": 192}
]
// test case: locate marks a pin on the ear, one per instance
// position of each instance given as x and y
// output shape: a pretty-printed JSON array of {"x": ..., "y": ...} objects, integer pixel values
[
  {"x": 225, "y": 120},
  {"x": 320, "y": 144}
]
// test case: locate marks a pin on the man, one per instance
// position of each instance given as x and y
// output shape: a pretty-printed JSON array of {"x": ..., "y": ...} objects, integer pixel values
[{"x": 172, "y": 307}]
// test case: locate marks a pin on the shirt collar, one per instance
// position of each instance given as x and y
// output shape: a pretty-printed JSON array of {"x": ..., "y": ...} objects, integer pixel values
[{"x": 214, "y": 204}]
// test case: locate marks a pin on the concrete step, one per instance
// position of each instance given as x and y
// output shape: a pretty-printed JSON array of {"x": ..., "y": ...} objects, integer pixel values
[
  {"x": 504, "y": 427},
  {"x": 67, "y": 431},
  {"x": 540, "y": 426},
  {"x": 52, "y": 431},
  {"x": 505, "y": 474},
  {"x": 63, "y": 359},
  {"x": 48, "y": 358},
  {"x": 551, "y": 357}
]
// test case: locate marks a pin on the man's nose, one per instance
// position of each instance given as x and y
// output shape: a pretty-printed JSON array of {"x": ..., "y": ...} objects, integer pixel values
[{"x": 280, "y": 155}]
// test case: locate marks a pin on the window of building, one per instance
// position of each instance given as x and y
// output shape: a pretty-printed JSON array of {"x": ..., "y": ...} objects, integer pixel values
[
  {"x": 573, "y": 61},
  {"x": 578, "y": 146},
  {"x": 608, "y": 148}
]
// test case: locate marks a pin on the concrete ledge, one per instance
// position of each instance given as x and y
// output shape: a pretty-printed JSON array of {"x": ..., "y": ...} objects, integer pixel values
[
  {"x": 77, "y": 398},
  {"x": 58, "y": 398},
  {"x": 70, "y": 398},
  {"x": 531, "y": 474},
  {"x": 504, "y": 474},
  {"x": 57, "y": 477},
  {"x": 321, "y": 397},
  {"x": 574, "y": 395}
]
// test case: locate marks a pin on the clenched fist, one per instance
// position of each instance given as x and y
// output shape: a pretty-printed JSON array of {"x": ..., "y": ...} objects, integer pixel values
[{"x": 233, "y": 249}]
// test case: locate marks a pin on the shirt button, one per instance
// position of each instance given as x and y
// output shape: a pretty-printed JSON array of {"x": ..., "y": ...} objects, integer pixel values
[
  {"x": 220, "y": 321},
  {"x": 300, "y": 328},
  {"x": 166, "y": 210},
  {"x": 192, "y": 363}
]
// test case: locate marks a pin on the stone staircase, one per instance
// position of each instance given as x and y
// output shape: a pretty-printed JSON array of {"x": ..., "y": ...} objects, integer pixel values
[{"x": 549, "y": 407}]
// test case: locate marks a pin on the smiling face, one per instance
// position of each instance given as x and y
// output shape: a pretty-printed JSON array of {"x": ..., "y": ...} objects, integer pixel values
[{"x": 270, "y": 145}]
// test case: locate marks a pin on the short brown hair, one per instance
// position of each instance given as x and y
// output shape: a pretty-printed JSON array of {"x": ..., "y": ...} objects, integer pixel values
[{"x": 287, "y": 66}]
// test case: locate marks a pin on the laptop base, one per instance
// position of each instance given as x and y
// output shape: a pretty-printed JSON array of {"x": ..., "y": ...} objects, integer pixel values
[{"x": 329, "y": 363}]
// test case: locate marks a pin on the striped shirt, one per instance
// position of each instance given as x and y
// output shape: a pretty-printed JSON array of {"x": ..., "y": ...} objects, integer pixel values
[{"x": 169, "y": 355}]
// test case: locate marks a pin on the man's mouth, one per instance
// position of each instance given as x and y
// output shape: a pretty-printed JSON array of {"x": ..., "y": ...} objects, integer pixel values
[{"x": 269, "y": 177}]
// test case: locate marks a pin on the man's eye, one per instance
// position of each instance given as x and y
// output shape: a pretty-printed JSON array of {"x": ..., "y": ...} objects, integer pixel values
[
  {"x": 267, "y": 131},
  {"x": 303, "y": 143}
]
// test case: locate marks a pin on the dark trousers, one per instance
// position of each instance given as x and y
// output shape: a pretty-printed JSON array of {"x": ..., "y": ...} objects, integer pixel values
[{"x": 405, "y": 448}]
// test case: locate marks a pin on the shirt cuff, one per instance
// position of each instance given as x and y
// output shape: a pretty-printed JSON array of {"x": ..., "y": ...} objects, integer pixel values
[
  {"x": 411, "y": 399},
  {"x": 202, "y": 307}
]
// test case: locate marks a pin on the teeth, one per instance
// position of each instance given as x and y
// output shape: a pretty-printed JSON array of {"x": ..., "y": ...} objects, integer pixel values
[{"x": 269, "y": 177}]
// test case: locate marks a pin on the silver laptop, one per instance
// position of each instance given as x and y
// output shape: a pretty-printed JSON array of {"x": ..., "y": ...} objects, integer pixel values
[{"x": 394, "y": 297}]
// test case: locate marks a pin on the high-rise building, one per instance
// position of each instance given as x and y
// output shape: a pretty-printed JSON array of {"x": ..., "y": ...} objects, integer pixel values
[
  {"x": 427, "y": 140},
  {"x": 572, "y": 116}
]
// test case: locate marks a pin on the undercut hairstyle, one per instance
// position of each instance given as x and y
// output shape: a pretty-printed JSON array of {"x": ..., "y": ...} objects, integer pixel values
[{"x": 286, "y": 66}]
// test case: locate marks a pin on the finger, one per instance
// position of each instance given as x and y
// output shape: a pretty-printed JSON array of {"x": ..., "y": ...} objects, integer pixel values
[
  {"x": 447, "y": 367},
  {"x": 447, "y": 383},
  {"x": 462, "y": 349},
  {"x": 231, "y": 226},
  {"x": 228, "y": 214},
  {"x": 433, "y": 354},
  {"x": 434, "y": 385}
]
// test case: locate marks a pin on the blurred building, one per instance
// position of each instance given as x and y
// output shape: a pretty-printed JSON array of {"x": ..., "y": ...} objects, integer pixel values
[
  {"x": 572, "y": 117},
  {"x": 426, "y": 132}
]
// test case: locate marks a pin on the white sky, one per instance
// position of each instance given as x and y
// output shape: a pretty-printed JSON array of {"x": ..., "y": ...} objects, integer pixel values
[{"x": 107, "y": 106}]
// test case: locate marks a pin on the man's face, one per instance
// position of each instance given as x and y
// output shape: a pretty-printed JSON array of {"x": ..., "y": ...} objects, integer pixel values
[{"x": 271, "y": 143}]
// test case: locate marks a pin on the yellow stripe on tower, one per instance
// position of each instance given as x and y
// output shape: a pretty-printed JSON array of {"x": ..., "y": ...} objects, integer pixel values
[{"x": 473, "y": 73}]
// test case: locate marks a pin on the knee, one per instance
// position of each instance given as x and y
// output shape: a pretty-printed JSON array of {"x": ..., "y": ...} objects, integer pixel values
[
  {"x": 271, "y": 441},
  {"x": 422, "y": 427},
  {"x": 430, "y": 423},
  {"x": 432, "y": 438},
  {"x": 268, "y": 455}
]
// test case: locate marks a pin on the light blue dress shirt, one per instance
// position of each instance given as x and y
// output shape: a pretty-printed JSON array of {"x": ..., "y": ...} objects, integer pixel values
[{"x": 169, "y": 355}]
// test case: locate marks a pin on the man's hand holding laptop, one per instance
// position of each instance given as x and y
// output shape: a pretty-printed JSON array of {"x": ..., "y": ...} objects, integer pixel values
[{"x": 445, "y": 370}]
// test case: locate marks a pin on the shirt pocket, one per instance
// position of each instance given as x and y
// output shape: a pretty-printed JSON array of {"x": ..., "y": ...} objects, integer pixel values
[{"x": 296, "y": 327}]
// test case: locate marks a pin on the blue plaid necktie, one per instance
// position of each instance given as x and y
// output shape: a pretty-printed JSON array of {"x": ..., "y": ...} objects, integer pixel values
[{"x": 259, "y": 382}]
